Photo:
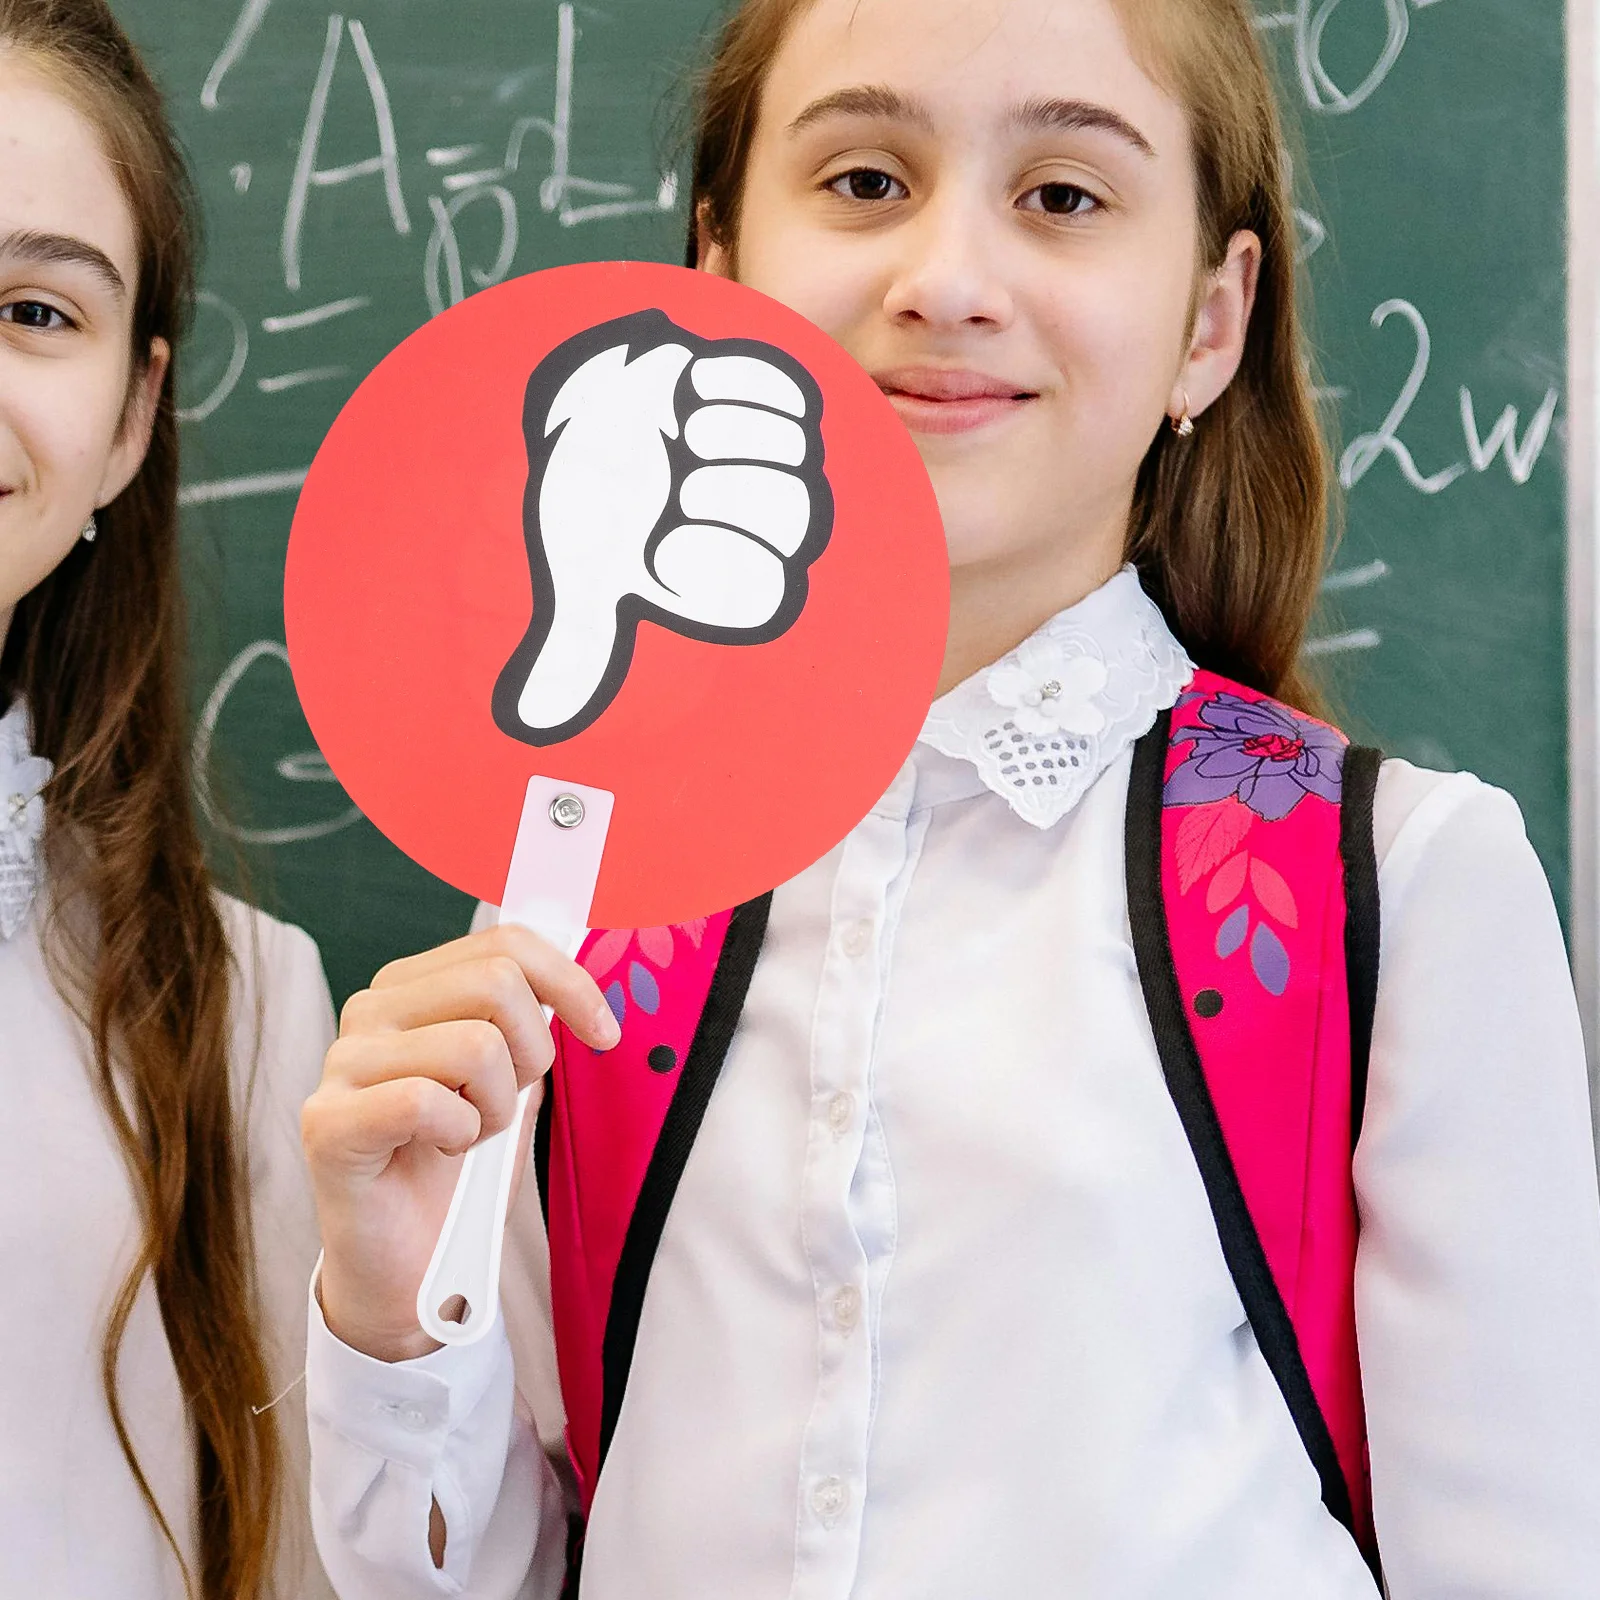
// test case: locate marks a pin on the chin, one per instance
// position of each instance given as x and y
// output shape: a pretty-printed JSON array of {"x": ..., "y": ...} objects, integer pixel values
[
  {"x": 974, "y": 547},
  {"x": 982, "y": 524}
]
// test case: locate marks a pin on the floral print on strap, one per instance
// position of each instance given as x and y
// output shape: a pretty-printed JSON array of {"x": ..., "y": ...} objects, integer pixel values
[
  {"x": 636, "y": 956},
  {"x": 1251, "y": 761}
]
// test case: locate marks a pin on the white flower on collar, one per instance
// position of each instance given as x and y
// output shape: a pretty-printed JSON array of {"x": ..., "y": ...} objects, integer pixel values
[
  {"x": 1042, "y": 724},
  {"x": 23, "y": 776},
  {"x": 1048, "y": 691}
]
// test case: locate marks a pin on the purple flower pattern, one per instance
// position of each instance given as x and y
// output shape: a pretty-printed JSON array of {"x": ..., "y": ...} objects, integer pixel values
[
  {"x": 1260, "y": 754},
  {"x": 652, "y": 950}
]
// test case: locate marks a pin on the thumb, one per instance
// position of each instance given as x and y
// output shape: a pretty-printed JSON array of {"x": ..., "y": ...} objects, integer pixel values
[{"x": 577, "y": 670}]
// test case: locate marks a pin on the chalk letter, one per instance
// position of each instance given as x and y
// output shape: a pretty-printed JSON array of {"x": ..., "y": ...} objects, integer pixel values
[
  {"x": 1522, "y": 458},
  {"x": 306, "y": 172}
]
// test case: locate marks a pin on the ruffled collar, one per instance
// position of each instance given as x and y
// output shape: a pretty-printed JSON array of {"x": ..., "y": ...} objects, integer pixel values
[
  {"x": 1040, "y": 725},
  {"x": 23, "y": 776}
]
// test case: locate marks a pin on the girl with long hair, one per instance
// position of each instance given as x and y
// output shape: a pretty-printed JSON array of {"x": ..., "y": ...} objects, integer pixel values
[
  {"x": 156, "y": 1037},
  {"x": 955, "y": 1289}
]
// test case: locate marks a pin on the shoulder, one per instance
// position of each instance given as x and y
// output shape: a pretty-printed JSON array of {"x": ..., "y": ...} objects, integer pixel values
[
  {"x": 276, "y": 950},
  {"x": 283, "y": 1013},
  {"x": 1422, "y": 819},
  {"x": 1473, "y": 965}
]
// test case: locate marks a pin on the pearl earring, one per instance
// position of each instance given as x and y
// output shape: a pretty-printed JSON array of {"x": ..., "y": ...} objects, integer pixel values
[
  {"x": 1183, "y": 426},
  {"x": 89, "y": 530}
]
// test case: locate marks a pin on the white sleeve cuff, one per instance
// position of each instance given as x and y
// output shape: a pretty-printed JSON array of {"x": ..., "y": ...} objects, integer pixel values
[
  {"x": 401, "y": 1410},
  {"x": 389, "y": 1440}
]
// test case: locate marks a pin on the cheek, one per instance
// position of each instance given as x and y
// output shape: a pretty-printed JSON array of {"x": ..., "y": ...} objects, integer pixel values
[
  {"x": 63, "y": 414},
  {"x": 1117, "y": 337},
  {"x": 57, "y": 429},
  {"x": 831, "y": 280}
]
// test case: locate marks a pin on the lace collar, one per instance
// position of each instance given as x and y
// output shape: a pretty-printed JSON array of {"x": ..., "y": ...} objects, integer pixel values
[
  {"x": 22, "y": 776},
  {"x": 1042, "y": 723}
]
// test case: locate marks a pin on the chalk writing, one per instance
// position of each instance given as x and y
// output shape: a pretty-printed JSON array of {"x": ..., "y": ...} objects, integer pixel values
[
  {"x": 1309, "y": 21},
  {"x": 239, "y": 355},
  {"x": 307, "y": 175},
  {"x": 300, "y": 768},
  {"x": 244, "y": 30},
  {"x": 443, "y": 248},
  {"x": 247, "y": 488},
  {"x": 1521, "y": 457}
]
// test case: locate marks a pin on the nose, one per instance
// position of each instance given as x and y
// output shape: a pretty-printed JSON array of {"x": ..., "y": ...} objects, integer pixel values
[{"x": 950, "y": 275}]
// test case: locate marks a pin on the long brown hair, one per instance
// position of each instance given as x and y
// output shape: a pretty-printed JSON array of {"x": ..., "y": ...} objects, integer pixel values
[
  {"x": 1229, "y": 528},
  {"x": 97, "y": 653}
]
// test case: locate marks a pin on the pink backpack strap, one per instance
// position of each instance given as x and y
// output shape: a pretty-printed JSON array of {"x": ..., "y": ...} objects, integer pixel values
[
  {"x": 1252, "y": 896},
  {"x": 614, "y": 1134}
]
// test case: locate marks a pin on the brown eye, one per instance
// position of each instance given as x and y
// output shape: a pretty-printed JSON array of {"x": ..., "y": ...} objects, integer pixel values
[
  {"x": 867, "y": 183},
  {"x": 33, "y": 314},
  {"x": 1061, "y": 200}
]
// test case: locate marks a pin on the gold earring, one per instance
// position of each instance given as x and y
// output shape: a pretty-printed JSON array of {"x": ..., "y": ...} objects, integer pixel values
[{"x": 1183, "y": 426}]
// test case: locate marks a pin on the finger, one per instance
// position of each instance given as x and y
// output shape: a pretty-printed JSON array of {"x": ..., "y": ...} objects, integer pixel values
[
  {"x": 469, "y": 1059},
  {"x": 747, "y": 378},
  {"x": 557, "y": 980},
  {"x": 492, "y": 989},
  {"x": 772, "y": 505},
  {"x": 361, "y": 1130},
  {"x": 720, "y": 577},
  {"x": 569, "y": 675},
  {"x": 741, "y": 433}
]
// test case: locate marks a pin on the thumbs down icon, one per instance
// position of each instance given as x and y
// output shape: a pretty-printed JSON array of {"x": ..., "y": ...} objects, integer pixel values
[{"x": 671, "y": 479}]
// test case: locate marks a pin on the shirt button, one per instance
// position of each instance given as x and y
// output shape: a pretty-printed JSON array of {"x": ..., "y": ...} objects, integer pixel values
[
  {"x": 830, "y": 1499},
  {"x": 856, "y": 939},
  {"x": 847, "y": 1308},
  {"x": 414, "y": 1418},
  {"x": 841, "y": 1112}
]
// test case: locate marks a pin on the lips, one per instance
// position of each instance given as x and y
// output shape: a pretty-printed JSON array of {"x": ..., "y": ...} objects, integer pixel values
[{"x": 951, "y": 400}]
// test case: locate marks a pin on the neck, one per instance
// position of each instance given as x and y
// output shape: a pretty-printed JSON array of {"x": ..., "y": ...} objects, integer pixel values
[
  {"x": 6, "y": 614},
  {"x": 994, "y": 608}
]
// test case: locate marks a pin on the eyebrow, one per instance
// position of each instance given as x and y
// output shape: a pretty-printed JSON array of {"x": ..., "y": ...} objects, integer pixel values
[
  {"x": 1074, "y": 116},
  {"x": 865, "y": 100},
  {"x": 62, "y": 249},
  {"x": 1037, "y": 115}
]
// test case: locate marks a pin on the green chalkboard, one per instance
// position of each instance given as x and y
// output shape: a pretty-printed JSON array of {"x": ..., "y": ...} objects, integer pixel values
[{"x": 362, "y": 169}]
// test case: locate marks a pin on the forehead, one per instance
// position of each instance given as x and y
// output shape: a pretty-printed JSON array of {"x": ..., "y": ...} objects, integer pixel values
[
  {"x": 55, "y": 177},
  {"x": 973, "y": 59}
]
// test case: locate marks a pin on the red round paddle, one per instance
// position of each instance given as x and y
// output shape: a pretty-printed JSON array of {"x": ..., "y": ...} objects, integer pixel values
[{"x": 631, "y": 527}]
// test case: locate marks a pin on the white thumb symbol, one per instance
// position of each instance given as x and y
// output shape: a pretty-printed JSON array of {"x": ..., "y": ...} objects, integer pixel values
[{"x": 671, "y": 479}]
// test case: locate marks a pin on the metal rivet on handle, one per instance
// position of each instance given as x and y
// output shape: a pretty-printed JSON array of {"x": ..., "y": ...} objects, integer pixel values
[{"x": 566, "y": 811}]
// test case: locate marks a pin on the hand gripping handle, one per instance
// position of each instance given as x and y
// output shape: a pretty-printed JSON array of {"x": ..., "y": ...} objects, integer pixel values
[{"x": 550, "y": 888}]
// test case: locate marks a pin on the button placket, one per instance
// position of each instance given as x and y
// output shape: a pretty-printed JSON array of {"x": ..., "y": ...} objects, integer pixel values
[{"x": 833, "y": 1451}]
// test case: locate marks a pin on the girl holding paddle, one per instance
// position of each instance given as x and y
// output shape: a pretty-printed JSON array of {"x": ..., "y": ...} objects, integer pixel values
[{"x": 966, "y": 1286}]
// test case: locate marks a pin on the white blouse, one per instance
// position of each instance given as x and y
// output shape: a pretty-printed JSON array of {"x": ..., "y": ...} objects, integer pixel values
[
  {"x": 75, "y": 1525},
  {"x": 940, "y": 1309}
]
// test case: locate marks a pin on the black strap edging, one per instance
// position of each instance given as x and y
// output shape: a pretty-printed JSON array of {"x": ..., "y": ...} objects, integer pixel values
[
  {"x": 541, "y": 1149},
  {"x": 724, "y": 1005},
  {"x": 1186, "y": 1081},
  {"x": 1362, "y": 918}
]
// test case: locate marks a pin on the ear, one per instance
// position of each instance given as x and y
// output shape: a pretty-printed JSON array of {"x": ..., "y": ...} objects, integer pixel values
[
  {"x": 138, "y": 419},
  {"x": 713, "y": 257},
  {"x": 1221, "y": 324}
]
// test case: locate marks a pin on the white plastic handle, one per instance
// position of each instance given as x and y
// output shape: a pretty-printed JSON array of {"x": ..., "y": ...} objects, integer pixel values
[{"x": 550, "y": 888}]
